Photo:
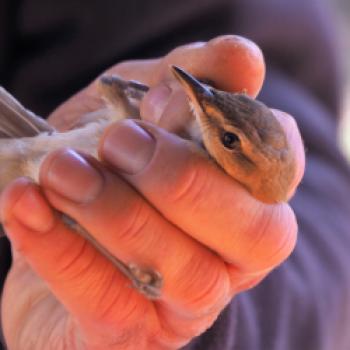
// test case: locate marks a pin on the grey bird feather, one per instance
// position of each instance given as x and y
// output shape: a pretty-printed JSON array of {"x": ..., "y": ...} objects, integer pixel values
[
  {"x": 25, "y": 140},
  {"x": 16, "y": 121}
]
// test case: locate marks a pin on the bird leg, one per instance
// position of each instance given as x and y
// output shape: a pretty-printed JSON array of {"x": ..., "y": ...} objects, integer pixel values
[
  {"x": 145, "y": 280},
  {"x": 26, "y": 139},
  {"x": 122, "y": 96}
]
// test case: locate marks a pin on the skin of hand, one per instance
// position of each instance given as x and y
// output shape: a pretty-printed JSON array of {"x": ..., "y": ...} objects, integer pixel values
[{"x": 154, "y": 199}]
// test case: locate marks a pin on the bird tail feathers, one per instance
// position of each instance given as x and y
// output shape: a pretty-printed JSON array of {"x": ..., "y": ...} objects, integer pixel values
[{"x": 16, "y": 121}]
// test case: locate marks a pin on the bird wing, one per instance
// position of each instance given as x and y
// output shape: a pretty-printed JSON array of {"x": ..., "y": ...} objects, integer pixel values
[{"x": 16, "y": 121}]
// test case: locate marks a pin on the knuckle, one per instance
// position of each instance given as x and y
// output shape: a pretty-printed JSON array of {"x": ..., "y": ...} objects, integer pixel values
[
  {"x": 128, "y": 315},
  {"x": 205, "y": 286},
  {"x": 271, "y": 239},
  {"x": 295, "y": 141},
  {"x": 179, "y": 331},
  {"x": 68, "y": 262},
  {"x": 117, "y": 313},
  {"x": 192, "y": 186},
  {"x": 136, "y": 218},
  {"x": 241, "y": 281},
  {"x": 285, "y": 233}
]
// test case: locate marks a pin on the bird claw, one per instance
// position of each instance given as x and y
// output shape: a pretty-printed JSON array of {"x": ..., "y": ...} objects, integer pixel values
[{"x": 146, "y": 281}]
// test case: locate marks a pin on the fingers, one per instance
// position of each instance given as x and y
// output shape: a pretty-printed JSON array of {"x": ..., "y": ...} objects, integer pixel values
[
  {"x": 188, "y": 192},
  {"x": 202, "y": 201},
  {"x": 233, "y": 63},
  {"x": 121, "y": 220},
  {"x": 100, "y": 298},
  {"x": 291, "y": 129},
  {"x": 87, "y": 283}
]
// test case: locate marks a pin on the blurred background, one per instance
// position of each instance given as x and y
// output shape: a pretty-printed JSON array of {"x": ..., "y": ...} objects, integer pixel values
[{"x": 343, "y": 13}]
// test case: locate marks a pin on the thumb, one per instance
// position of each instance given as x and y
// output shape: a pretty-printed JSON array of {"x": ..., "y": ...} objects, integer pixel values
[
  {"x": 232, "y": 62},
  {"x": 229, "y": 62}
]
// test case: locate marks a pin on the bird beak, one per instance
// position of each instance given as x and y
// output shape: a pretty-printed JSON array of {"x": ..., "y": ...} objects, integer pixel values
[{"x": 195, "y": 90}]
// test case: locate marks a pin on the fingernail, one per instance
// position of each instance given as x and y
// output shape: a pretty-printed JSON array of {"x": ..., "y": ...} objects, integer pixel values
[
  {"x": 33, "y": 212},
  {"x": 70, "y": 175},
  {"x": 128, "y": 147},
  {"x": 154, "y": 103}
]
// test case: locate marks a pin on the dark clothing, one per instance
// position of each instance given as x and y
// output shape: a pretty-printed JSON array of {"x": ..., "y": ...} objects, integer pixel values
[{"x": 49, "y": 50}]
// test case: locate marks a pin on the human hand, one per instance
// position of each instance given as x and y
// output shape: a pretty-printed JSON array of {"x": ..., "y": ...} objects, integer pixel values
[{"x": 167, "y": 207}]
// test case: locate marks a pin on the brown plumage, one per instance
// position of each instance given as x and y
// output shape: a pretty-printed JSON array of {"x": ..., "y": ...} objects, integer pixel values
[{"x": 244, "y": 137}]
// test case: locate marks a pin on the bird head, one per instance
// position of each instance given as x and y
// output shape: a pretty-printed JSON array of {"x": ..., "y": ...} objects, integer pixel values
[{"x": 244, "y": 137}]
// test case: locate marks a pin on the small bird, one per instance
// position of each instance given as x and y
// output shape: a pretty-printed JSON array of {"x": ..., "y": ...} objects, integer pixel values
[
  {"x": 243, "y": 136},
  {"x": 240, "y": 134}
]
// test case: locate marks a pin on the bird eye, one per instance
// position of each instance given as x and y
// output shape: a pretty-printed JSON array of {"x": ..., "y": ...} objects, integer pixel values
[{"x": 229, "y": 140}]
